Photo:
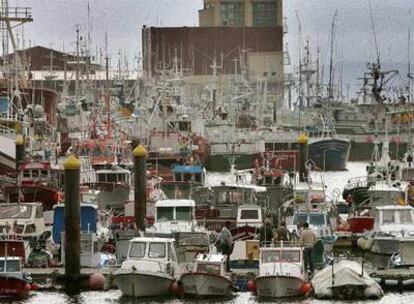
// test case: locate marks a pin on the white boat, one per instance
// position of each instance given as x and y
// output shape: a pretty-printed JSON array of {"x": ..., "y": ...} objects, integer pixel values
[
  {"x": 174, "y": 215},
  {"x": 209, "y": 277},
  {"x": 281, "y": 272},
  {"x": 347, "y": 280},
  {"x": 149, "y": 268},
  {"x": 392, "y": 224}
]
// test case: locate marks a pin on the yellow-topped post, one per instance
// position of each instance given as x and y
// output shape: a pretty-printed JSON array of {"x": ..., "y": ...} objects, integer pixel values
[
  {"x": 20, "y": 151},
  {"x": 71, "y": 248},
  {"x": 140, "y": 186},
  {"x": 303, "y": 156}
]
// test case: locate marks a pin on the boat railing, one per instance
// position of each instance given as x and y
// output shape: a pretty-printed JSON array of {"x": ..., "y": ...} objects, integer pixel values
[
  {"x": 7, "y": 132},
  {"x": 357, "y": 182},
  {"x": 281, "y": 244}
]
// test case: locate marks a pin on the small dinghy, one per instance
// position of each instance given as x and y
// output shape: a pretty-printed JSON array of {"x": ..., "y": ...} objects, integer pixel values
[{"x": 347, "y": 280}]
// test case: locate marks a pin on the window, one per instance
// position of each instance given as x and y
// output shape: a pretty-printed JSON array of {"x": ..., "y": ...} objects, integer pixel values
[
  {"x": 208, "y": 268},
  {"x": 317, "y": 219},
  {"x": 388, "y": 217},
  {"x": 13, "y": 266},
  {"x": 15, "y": 211},
  {"x": 291, "y": 256},
  {"x": 300, "y": 219},
  {"x": 249, "y": 214},
  {"x": 137, "y": 250},
  {"x": 405, "y": 217},
  {"x": 231, "y": 13},
  {"x": 2, "y": 266},
  {"x": 183, "y": 213},
  {"x": 270, "y": 256},
  {"x": 264, "y": 14},
  {"x": 39, "y": 212},
  {"x": 157, "y": 250},
  {"x": 165, "y": 214}
]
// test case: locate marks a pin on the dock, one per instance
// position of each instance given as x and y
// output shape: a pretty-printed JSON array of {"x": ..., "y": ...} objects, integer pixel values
[{"x": 395, "y": 278}]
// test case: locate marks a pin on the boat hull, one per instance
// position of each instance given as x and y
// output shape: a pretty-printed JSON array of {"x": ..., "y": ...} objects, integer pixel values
[
  {"x": 11, "y": 287},
  {"x": 144, "y": 284},
  {"x": 329, "y": 154},
  {"x": 204, "y": 284},
  {"x": 279, "y": 286}
]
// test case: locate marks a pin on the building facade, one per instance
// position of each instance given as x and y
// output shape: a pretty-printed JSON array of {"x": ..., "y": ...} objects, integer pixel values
[{"x": 256, "y": 13}]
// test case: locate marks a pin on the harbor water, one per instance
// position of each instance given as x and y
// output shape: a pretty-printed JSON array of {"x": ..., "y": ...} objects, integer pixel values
[{"x": 332, "y": 180}]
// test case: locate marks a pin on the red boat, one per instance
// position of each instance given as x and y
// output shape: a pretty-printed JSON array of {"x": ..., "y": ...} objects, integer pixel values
[
  {"x": 360, "y": 224},
  {"x": 13, "y": 283}
]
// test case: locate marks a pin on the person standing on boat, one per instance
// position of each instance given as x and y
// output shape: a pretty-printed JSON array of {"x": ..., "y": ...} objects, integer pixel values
[
  {"x": 266, "y": 233},
  {"x": 281, "y": 233},
  {"x": 308, "y": 239},
  {"x": 224, "y": 242}
]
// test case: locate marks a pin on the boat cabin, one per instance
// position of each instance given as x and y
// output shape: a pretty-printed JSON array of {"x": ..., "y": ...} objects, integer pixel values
[
  {"x": 319, "y": 222},
  {"x": 35, "y": 172},
  {"x": 195, "y": 174},
  {"x": 384, "y": 193},
  {"x": 190, "y": 243},
  {"x": 151, "y": 254},
  {"x": 394, "y": 220},
  {"x": 249, "y": 215},
  {"x": 213, "y": 263},
  {"x": 23, "y": 219},
  {"x": 312, "y": 193},
  {"x": 11, "y": 266},
  {"x": 288, "y": 255},
  {"x": 114, "y": 175},
  {"x": 173, "y": 215}
]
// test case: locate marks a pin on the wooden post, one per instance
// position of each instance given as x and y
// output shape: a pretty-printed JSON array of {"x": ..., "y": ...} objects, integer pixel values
[
  {"x": 303, "y": 156},
  {"x": 72, "y": 224},
  {"x": 140, "y": 186},
  {"x": 20, "y": 151}
]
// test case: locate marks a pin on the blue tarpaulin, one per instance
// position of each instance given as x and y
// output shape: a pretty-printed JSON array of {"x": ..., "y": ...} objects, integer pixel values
[
  {"x": 88, "y": 215},
  {"x": 188, "y": 169}
]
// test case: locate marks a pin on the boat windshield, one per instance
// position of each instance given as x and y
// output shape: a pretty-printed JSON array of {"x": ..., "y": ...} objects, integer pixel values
[
  {"x": 406, "y": 217},
  {"x": 274, "y": 256},
  {"x": 11, "y": 266},
  {"x": 165, "y": 214},
  {"x": 15, "y": 211},
  {"x": 157, "y": 250},
  {"x": 388, "y": 217},
  {"x": 184, "y": 213},
  {"x": 300, "y": 218},
  {"x": 317, "y": 219},
  {"x": 252, "y": 214},
  {"x": 137, "y": 250},
  {"x": 208, "y": 268}
]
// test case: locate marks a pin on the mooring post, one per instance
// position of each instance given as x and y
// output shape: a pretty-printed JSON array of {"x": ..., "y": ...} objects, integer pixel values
[
  {"x": 303, "y": 156},
  {"x": 20, "y": 151},
  {"x": 140, "y": 182},
  {"x": 72, "y": 224}
]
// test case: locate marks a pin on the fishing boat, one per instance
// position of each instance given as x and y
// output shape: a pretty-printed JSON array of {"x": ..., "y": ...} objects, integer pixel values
[
  {"x": 281, "y": 273},
  {"x": 208, "y": 277},
  {"x": 392, "y": 224},
  {"x": 13, "y": 282},
  {"x": 149, "y": 268},
  {"x": 329, "y": 151}
]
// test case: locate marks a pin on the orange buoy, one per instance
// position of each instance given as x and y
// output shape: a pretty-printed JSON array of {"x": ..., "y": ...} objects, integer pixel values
[
  {"x": 306, "y": 288},
  {"x": 251, "y": 286},
  {"x": 96, "y": 281}
]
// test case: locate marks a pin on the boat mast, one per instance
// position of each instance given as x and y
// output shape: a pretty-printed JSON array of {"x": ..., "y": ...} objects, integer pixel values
[{"x": 331, "y": 68}]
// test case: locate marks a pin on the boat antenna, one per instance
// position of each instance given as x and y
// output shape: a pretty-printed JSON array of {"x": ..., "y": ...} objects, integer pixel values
[
  {"x": 374, "y": 32},
  {"x": 409, "y": 75},
  {"x": 331, "y": 68}
]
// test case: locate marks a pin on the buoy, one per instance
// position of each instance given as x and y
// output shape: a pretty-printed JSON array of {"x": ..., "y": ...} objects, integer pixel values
[
  {"x": 27, "y": 287},
  {"x": 251, "y": 286},
  {"x": 176, "y": 288},
  {"x": 34, "y": 286},
  {"x": 96, "y": 281},
  {"x": 306, "y": 288},
  {"x": 361, "y": 243}
]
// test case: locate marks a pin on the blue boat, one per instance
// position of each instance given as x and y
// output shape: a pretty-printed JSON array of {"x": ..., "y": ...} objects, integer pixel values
[{"x": 327, "y": 150}]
